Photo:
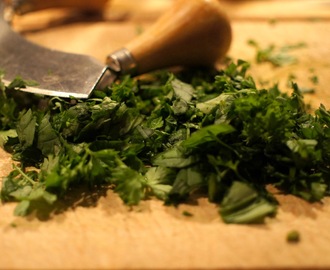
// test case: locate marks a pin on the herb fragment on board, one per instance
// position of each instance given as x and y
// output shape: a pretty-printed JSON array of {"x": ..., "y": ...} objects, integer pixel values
[
  {"x": 277, "y": 56},
  {"x": 314, "y": 79},
  {"x": 187, "y": 213},
  {"x": 293, "y": 237},
  {"x": 169, "y": 136}
]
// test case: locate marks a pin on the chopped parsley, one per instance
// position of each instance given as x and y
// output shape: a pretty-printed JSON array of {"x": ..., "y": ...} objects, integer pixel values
[{"x": 168, "y": 136}]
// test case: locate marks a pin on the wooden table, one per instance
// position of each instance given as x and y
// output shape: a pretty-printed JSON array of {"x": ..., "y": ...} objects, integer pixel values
[{"x": 102, "y": 233}]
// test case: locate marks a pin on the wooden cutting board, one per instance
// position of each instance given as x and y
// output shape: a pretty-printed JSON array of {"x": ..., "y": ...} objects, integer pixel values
[{"x": 102, "y": 233}]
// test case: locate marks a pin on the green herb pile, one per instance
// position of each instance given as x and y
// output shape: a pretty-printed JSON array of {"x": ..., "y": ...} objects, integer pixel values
[{"x": 170, "y": 137}]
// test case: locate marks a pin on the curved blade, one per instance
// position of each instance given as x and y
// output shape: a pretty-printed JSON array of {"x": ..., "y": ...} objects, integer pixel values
[{"x": 56, "y": 73}]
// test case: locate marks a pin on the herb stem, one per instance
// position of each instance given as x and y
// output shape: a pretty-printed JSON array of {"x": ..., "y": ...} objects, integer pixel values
[
  {"x": 226, "y": 146},
  {"x": 29, "y": 179}
]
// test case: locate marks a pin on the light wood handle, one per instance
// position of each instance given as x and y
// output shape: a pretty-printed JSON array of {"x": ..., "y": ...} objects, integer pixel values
[
  {"x": 25, "y": 6},
  {"x": 190, "y": 33}
]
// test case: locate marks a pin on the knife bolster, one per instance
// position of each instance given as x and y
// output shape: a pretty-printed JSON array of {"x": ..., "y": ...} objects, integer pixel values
[{"x": 121, "y": 62}]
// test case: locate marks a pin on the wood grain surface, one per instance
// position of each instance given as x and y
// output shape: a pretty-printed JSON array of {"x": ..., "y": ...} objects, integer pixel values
[{"x": 94, "y": 230}]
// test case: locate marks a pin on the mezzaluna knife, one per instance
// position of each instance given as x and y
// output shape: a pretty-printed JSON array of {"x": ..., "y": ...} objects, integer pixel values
[{"x": 190, "y": 33}]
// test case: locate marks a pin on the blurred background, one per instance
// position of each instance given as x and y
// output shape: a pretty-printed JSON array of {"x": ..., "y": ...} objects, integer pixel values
[
  {"x": 151, "y": 9},
  {"x": 242, "y": 9}
]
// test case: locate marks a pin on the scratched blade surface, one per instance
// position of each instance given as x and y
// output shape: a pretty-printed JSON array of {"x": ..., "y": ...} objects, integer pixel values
[{"x": 56, "y": 73}]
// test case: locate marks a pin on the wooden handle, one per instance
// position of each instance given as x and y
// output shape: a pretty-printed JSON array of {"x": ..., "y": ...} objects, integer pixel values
[
  {"x": 25, "y": 6},
  {"x": 191, "y": 33}
]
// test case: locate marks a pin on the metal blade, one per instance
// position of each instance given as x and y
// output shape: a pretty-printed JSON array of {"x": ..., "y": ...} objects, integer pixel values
[{"x": 57, "y": 73}]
